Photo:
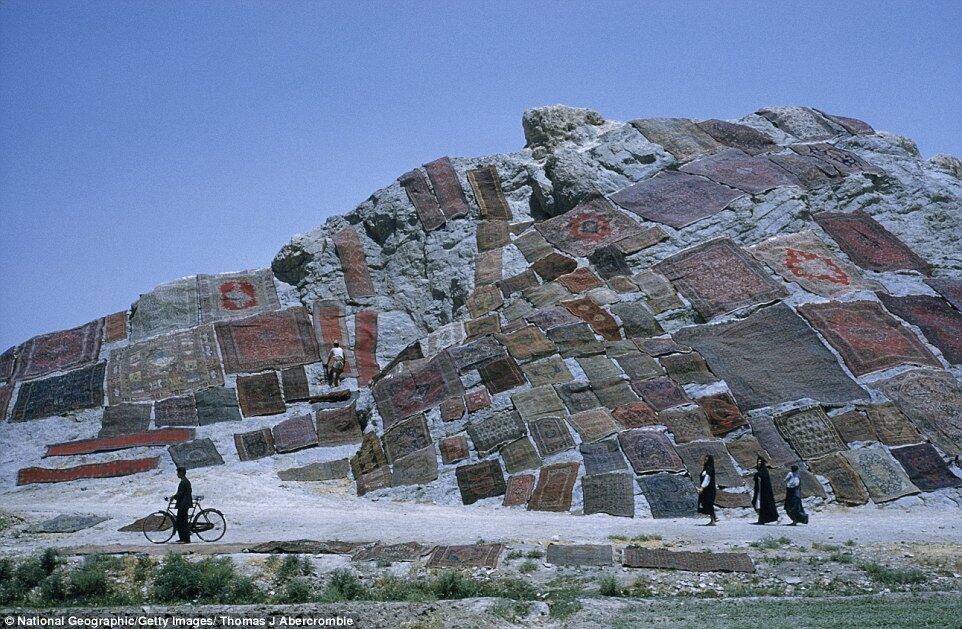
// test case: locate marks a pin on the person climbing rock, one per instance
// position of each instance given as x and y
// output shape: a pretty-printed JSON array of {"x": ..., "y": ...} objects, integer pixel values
[
  {"x": 183, "y": 500},
  {"x": 335, "y": 364}
]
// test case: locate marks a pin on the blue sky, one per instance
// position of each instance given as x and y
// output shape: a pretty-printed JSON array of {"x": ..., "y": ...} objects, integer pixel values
[{"x": 143, "y": 141}]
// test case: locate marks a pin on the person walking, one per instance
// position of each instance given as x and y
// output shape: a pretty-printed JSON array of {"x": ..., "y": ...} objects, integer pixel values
[
  {"x": 793, "y": 497},
  {"x": 763, "y": 499},
  {"x": 183, "y": 500},
  {"x": 707, "y": 489},
  {"x": 335, "y": 364}
]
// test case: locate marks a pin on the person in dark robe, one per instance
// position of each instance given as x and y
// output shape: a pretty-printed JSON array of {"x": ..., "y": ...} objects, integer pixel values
[
  {"x": 183, "y": 500},
  {"x": 763, "y": 499},
  {"x": 707, "y": 489},
  {"x": 793, "y": 497}
]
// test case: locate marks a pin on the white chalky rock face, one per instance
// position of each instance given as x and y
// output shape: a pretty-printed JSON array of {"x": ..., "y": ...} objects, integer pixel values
[{"x": 434, "y": 297}]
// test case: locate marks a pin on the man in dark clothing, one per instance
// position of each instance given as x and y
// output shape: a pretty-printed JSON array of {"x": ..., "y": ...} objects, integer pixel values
[{"x": 183, "y": 499}]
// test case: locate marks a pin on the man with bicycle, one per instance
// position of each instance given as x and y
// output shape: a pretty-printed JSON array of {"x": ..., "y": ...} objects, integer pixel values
[{"x": 184, "y": 499}]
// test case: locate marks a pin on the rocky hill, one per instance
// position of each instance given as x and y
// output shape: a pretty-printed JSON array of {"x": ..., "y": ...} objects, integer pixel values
[{"x": 570, "y": 327}]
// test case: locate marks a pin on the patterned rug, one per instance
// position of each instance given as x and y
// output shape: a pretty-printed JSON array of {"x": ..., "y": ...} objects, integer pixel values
[
  {"x": 255, "y": 444},
  {"x": 609, "y": 262},
  {"x": 480, "y": 480},
  {"x": 164, "y": 367},
  {"x": 789, "y": 361},
  {"x": 551, "y": 317},
  {"x": 890, "y": 425},
  {"x": 636, "y": 557},
  {"x": 417, "y": 468},
  {"x": 551, "y": 370},
  {"x": 579, "y": 555},
  {"x": 236, "y": 295},
  {"x": 167, "y": 308},
  {"x": 484, "y": 299},
  {"x": 528, "y": 343},
  {"x": 805, "y": 259},
  {"x": 518, "y": 282},
  {"x": 933, "y": 401},
  {"x": 867, "y": 338},
  {"x": 687, "y": 368},
  {"x": 925, "y": 467},
  {"x": 718, "y": 277},
  {"x": 115, "y": 327},
  {"x": 486, "y": 184},
  {"x": 592, "y": 224},
  {"x": 295, "y": 433},
  {"x": 489, "y": 433},
  {"x": 612, "y": 493},
  {"x": 401, "y": 395},
  {"x": 669, "y": 495},
  {"x": 477, "y": 399},
  {"x": 660, "y": 393},
  {"x": 948, "y": 287},
  {"x": 843, "y": 478},
  {"x": 337, "y": 426},
  {"x": 650, "y": 451},
  {"x": 60, "y": 351},
  {"x": 369, "y": 458},
  {"x": 538, "y": 402},
  {"x": 854, "y": 426},
  {"x": 295, "y": 386},
  {"x": 163, "y": 437},
  {"x": 217, "y": 404},
  {"x": 176, "y": 411},
  {"x": 73, "y": 391},
  {"x": 124, "y": 467},
  {"x": 422, "y": 198},
  {"x": 602, "y": 457},
  {"x": 845, "y": 162},
  {"x": 734, "y": 168},
  {"x": 686, "y": 424},
  {"x": 594, "y": 425},
  {"x": 471, "y": 556},
  {"x": 315, "y": 472},
  {"x": 490, "y": 324},
  {"x": 577, "y": 396},
  {"x": 681, "y": 137},
  {"x": 267, "y": 341},
  {"x": 780, "y": 454},
  {"x": 357, "y": 275},
  {"x": 406, "y": 552},
  {"x": 532, "y": 245},
  {"x": 196, "y": 453},
  {"x": 453, "y": 449},
  {"x": 365, "y": 346},
  {"x": 880, "y": 472},
  {"x": 492, "y": 235},
  {"x": 746, "y": 450},
  {"x": 405, "y": 437},
  {"x": 640, "y": 366},
  {"x": 519, "y": 490},
  {"x": 675, "y": 199},
  {"x": 487, "y": 267},
  {"x": 575, "y": 340},
  {"x": 658, "y": 291},
  {"x": 636, "y": 320},
  {"x": 635, "y": 415},
  {"x": 723, "y": 414},
  {"x": 738, "y": 136},
  {"x": 124, "y": 419},
  {"x": 939, "y": 321},
  {"x": 555, "y": 484},
  {"x": 550, "y": 435},
  {"x": 580, "y": 280},
  {"x": 520, "y": 455},
  {"x": 868, "y": 244},
  {"x": 553, "y": 266},
  {"x": 447, "y": 187},
  {"x": 260, "y": 395},
  {"x": 809, "y": 432}
]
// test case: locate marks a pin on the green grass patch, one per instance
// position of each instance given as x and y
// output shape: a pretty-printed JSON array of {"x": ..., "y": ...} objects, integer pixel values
[
  {"x": 534, "y": 554},
  {"x": 770, "y": 543},
  {"x": 528, "y": 567},
  {"x": 892, "y": 577},
  {"x": 210, "y": 580},
  {"x": 645, "y": 537}
]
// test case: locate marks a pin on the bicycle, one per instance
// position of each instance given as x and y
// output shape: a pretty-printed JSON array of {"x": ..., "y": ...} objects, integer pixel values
[{"x": 207, "y": 524}]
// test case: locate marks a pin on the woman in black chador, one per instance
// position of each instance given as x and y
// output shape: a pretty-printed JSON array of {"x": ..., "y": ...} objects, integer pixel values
[
  {"x": 793, "y": 497},
  {"x": 706, "y": 490},
  {"x": 764, "y": 498}
]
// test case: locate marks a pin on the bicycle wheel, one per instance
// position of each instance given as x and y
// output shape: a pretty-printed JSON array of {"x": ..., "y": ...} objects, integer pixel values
[
  {"x": 209, "y": 525},
  {"x": 158, "y": 527}
]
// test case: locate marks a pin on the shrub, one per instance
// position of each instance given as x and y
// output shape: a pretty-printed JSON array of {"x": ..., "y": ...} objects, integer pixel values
[
  {"x": 528, "y": 567},
  {"x": 608, "y": 586},
  {"x": 293, "y": 566},
  {"x": 53, "y": 591},
  {"x": 770, "y": 543},
  {"x": 49, "y": 560},
  {"x": 534, "y": 554},
  {"x": 296, "y": 590},
  {"x": 883, "y": 575},
  {"x": 88, "y": 583},
  {"x": 343, "y": 585},
  {"x": 452, "y": 584},
  {"x": 211, "y": 580},
  {"x": 512, "y": 611}
]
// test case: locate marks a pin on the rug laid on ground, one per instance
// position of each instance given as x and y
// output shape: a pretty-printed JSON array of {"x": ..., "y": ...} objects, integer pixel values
[
  {"x": 669, "y": 495},
  {"x": 733, "y": 167},
  {"x": 260, "y": 394},
  {"x": 486, "y": 184},
  {"x": 417, "y": 468},
  {"x": 295, "y": 433},
  {"x": 337, "y": 426},
  {"x": 555, "y": 484},
  {"x": 933, "y": 401},
  {"x": 694, "y": 453},
  {"x": 415, "y": 183},
  {"x": 60, "y": 351},
  {"x": 236, "y": 295},
  {"x": 940, "y": 323},
  {"x": 602, "y": 456},
  {"x": 122, "y": 467},
  {"x": 550, "y": 435},
  {"x": 845, "y": 482},
  {"x": 176, "y": 411},
  {"x": 56, "y": 395},
  {"x": 809, "y": 432},
  {"x": 925, "y": 468},
  {"x": 489, "y": 433},
  {"x": 636, "y": 557},
  {"x": 788, "y": 362},
  {"x": 723, "y": 414},
  {"x": 519, "y": 490},
  {"x": 164, "y": 367},
  {"x": 124, "y": 419},
  {"x": 405, "y": 437},
  {"x": 880, "y": 472},
  {"x": 470, "y": 556},
  {"x": 718, "y": 277},
  {"x": 357, "y": 276},
  {"x": 612, "y": 493},
  {"x": 162, "y": 437},
  {"x": 520, "y": 455},
  {"x": 480, "y": 480},
  {"x": 447, "y": 187},
  {"x": 196, "y": 453},
  {"x": 267, "y": 341},
  {"x": 401, "y": 395},
  {"x": 255, "y": 444},
  {"x": 650, "y": 451},
  {"x": 675, "y": 199},
  {"x": 319, "y": 471},
  {"x": 167, "y": 308},
  {"x": 867, "y": 338},
  {"x": 868, "y": 244},
  {"x": 579, "y": 555},
  {"x": 592, "y": 224}
]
